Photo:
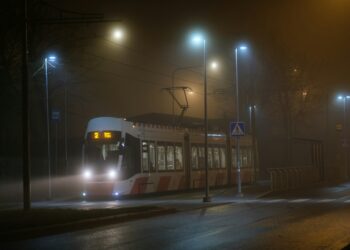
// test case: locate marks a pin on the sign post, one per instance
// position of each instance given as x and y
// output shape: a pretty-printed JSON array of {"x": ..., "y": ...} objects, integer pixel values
[{"x": 237, "y": 129}]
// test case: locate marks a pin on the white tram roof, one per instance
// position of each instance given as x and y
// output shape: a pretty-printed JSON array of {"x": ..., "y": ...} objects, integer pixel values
[{"x": 145, "y": 130}]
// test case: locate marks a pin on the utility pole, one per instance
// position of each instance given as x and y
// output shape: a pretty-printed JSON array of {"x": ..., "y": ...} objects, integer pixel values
[
  {"x": 65, "y": 130},
  {"x": 25, "y": 113}
]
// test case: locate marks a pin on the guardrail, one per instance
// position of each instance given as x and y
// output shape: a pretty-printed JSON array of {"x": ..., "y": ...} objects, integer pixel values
[{"x": 289, "y": 178}]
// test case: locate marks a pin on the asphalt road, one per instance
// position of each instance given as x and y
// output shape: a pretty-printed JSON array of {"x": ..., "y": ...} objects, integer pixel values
[{"x": 317, "y": 219}]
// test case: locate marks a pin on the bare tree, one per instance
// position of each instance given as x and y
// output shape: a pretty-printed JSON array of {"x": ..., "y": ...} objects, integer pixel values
[{"x": 292, "y": 95}]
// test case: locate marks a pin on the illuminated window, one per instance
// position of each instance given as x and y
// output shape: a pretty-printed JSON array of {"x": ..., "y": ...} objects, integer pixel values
[
  {"x": 107, "y": 135},
  {"x": 200, "y": 157},
  {"x": 178, "y": 157},
  {"x": 170, "y": 157},
  {"x": 152, "y": 156},
  {"x": 223, "y": 157},
  {"x": 244, "y": 157},
  {"x": 234, "y": 158},
  {"x": 145, "y": 164},
  {"x": 194, "y": 159},
  {"x": 210, "y": 157},
  {"x": 216, "y": 158},
  {"x": 161, "y": 157}
]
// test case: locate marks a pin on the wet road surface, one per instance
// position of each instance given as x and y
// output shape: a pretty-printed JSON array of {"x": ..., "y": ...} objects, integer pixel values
[{"x": 319, "y": 219}]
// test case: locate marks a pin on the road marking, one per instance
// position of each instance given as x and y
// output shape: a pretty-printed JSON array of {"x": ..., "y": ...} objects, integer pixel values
[
  {"x": 325, "y": 200},
  {"x": 298, "y": 200}
]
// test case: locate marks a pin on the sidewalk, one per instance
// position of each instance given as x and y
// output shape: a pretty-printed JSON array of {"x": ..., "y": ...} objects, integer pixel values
[{"x": 124, "y": 210}]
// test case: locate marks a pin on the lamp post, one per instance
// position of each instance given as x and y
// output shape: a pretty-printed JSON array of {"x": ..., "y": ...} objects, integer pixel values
[
  {"x": 238, "y": 161},
  {"x": 46, "y": 61},
  {"x": 344, "y": 99},
  {"x": 250, "y": 119},
  {"x": 199, "y": 39}
]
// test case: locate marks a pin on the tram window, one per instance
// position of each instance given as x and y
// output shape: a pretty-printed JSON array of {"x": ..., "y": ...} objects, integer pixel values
[
  {"x": 109, "y": 152},
  {"x": 210, "y": 157},
  {"x": 145, "y": 161},
  {"x": 194, "y": 159},
  {"x": 216, "y": 158},
  {"x": 170, "y": 157},
  {"x": 152, "y": 156},
  {"x": 247, "y": 157},
  {"x": 234, "y": 158},
  {"x": 145, "y": 156},
  {"x": 244, "y": 157},
  {"x": 161, "y": 157},
  {"x": 200, "y": 157},
  {"x": 250, "y": 157},
  {"x": 97, "y": 153},
  {"x": 222, "y": 157},
  {"x": 178, "y": 157}
]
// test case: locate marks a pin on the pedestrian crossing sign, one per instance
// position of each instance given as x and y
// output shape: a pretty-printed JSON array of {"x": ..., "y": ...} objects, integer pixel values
[{"x": 237, "y": 129}]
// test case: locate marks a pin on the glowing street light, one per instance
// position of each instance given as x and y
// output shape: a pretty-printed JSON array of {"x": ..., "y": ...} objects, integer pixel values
[
  {"x": 198, "y": 39},
  {"x": 51, "y": 58},
  {"x": 214, "y": 65},
  {"x": 118, "y": 34},
  {"x": 48, "y": 60}
]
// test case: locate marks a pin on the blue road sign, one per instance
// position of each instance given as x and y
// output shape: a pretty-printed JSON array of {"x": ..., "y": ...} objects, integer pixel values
[
  {"x": 55, "y": 115},
  {"x": 237, "y": 129}
]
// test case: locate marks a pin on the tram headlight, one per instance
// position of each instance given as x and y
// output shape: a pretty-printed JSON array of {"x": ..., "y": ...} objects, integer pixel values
[
  {"x": 87, "y": 174},
  {"x": 112, "y": 174}
]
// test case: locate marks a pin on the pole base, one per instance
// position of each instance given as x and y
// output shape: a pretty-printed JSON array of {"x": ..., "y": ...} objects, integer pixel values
[
  {"x": 207, "y": 199},
  {"x": 239, "y": 195}
]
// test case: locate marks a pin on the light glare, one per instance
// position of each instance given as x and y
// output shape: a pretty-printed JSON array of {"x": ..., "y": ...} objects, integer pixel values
[
  {"x": 197, "y": 39},
  {"x": 52, "y": 58},
  {"x": 118, "y": 34},
  {"x": 112, "y": 174},
  {"x": 87, "y": 174},
  {"x": 214, "y": 65}
]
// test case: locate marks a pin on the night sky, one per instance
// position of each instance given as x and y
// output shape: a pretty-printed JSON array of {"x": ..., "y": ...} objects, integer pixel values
[{"x": 126, "y": 78}]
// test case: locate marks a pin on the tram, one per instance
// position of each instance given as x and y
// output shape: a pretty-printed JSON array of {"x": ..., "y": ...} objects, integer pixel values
[{"x": 125, "y": 158}]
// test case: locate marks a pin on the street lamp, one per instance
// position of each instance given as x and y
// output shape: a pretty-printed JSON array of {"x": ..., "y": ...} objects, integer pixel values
[
  {"x": 118, "y": 34},
  {"x": 47, "y": 61},
  {"x": 238, "y": 161},
  {"x": 199, "y": 39},
  {"x": 344, "y": 99},
  {"x": 214, "y": 65}
]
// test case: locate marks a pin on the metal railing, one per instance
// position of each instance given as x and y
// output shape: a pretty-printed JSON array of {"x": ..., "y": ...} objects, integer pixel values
[{"x": 283, "y": 179}]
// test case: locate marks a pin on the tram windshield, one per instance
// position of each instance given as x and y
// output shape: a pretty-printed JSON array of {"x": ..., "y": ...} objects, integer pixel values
[{"x": 102, "y": 152}]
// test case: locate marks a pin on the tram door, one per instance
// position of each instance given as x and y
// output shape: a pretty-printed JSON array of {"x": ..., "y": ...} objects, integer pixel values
[{"x": 187, "y": 157}]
